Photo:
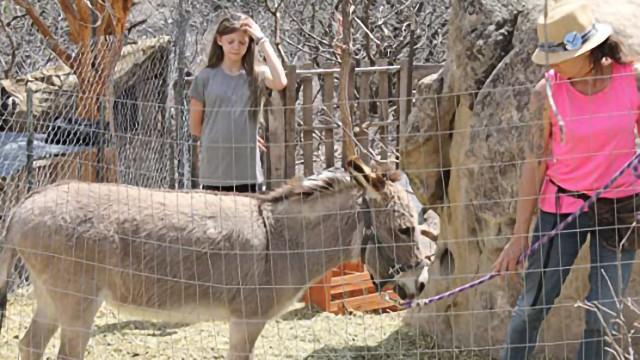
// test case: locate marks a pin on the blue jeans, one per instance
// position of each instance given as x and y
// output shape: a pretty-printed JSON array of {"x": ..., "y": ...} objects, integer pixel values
[{"x": 547, "y": 269}]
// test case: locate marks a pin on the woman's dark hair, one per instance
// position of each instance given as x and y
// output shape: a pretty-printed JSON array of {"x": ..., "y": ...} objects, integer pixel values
[
  {"x": 229, "y": 25},
  {"x": 611, "y": 48}
]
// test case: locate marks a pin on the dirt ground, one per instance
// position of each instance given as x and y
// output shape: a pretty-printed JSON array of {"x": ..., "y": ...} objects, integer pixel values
[{"x": 302, "y": 333}]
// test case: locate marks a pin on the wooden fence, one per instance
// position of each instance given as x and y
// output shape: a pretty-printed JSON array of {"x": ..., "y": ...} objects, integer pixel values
[{"x": 304, "y": 117}]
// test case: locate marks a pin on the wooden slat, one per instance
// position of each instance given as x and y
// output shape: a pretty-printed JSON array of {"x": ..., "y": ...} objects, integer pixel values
[
  {"x": 365, "y": 303},
  {"x": 327, "y": 99},
  {"x": 357, "y": 278},
  {"x": 383, "y": 97},
  {"x": 362, "y": 134},
  {"x": 307, "y": 120},
  {"x": 290, "y": 123},
  {"x": 352, "y": 290}
]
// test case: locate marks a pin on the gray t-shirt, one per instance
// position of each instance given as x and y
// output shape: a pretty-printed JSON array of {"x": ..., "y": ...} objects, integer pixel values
[{"x": 228, "y": 145}]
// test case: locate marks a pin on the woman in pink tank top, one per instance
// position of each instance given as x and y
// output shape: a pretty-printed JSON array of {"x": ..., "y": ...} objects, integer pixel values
[{"x": 584, "y": 114}]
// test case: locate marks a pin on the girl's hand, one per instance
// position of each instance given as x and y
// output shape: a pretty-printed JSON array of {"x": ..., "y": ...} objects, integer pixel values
[
  {"x": 252, "y": 28},
  {"x": 262, "y": 145}
]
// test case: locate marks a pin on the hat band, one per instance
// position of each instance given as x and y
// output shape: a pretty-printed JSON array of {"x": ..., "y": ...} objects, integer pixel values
[{"x": 572, "y": 41}]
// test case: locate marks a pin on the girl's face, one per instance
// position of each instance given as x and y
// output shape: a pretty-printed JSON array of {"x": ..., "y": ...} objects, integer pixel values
[
  {"x": 234, "y": 45},
  {"x": 578, "y": 67}
]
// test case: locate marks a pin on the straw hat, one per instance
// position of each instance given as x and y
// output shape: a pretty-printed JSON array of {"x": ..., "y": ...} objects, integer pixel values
[{"x": 571, "y": 31}]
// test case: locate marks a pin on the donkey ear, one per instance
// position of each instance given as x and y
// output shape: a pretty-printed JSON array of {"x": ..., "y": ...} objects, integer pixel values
[
  {"x": 431, "y": 226},
  {"x": 364, "y": 176}
]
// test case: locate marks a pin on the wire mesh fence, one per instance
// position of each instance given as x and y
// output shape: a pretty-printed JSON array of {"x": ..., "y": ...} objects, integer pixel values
[
  {"x": 139, "y": 135},
  {"x": 140, "y": 149}
]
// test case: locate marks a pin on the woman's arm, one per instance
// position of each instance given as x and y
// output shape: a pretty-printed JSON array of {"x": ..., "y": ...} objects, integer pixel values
[
  {"x": 533, "y": 171},
  {"x": 196, "y": 113},
  {"x": 273, "y": 74},
  {"x": 636, "y": 69}
]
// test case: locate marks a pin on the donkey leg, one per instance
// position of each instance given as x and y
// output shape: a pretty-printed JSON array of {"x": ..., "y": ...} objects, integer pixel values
[
  {"x": 76, "y": 325},
  {"x": 42, "y": 328},
  {"x": 243, "y": 334}
]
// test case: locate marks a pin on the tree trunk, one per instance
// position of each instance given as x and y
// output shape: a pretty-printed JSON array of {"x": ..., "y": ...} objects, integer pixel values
[
  {"x": 97, "y": 28},
  {"x": 96, "y": 63}
]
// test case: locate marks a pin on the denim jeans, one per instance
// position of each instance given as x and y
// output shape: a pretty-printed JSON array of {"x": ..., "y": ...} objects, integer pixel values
[{"x": 547, "y": 269}]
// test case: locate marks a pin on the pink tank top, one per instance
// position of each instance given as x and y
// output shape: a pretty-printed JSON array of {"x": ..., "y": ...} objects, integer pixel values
[{"x": 599, "y": 140}]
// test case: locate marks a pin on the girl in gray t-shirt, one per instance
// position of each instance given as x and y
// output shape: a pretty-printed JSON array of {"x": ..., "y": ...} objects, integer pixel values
[{"x": 224, "y": 105}]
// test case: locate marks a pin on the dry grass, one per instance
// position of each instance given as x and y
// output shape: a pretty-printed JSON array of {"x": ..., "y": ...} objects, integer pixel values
[{"x": 300, "y": 333}]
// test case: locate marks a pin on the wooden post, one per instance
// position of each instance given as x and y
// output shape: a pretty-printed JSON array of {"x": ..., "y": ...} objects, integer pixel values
[
  {"x": 29, "y": 147},
  {"x": 405, "y": 87},
  {"x": 362, "y": 133},
  {"x": 276, "y": 123},
  {"x": 170, "y": 144},
  {"x": 327, "y": 98},
  {"x": 345, "y": 93},
  {"x": 347, "y": 141},
  {"x": 266, "y": 157},
  {"x": 183, "y": 136},
  {"x": 194, "y": 160},
  {"x": 307, "y": 121},
  {"x": 100, "y": 158},
  {"x": 290, "y": 123},
  {"x": 383, "y": 97}
]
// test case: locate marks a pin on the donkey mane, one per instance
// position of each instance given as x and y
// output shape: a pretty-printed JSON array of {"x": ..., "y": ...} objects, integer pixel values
[{"x": 330, "y": 180}]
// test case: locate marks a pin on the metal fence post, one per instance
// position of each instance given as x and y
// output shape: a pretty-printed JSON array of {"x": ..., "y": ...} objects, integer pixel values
[
  {"x": 100, "y": 151},
  {"x": 182, "y": 141},
  {"x": 30, "y": 135}
]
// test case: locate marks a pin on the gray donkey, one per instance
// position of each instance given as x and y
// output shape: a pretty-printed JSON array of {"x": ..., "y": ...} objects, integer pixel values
[{"x": 191, "y": 256}]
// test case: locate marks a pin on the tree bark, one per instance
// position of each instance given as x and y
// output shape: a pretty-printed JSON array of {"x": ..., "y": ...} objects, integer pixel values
[{"x": 97, "y": 28}]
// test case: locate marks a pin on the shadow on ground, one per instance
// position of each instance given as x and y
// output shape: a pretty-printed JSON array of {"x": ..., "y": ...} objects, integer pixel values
[
  {"x": 404, "y": 343},
  {"x": 159, "y": 329}
]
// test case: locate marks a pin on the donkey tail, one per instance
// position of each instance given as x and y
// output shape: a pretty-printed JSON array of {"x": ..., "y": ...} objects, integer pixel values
[{"x": 8, "y": 258}]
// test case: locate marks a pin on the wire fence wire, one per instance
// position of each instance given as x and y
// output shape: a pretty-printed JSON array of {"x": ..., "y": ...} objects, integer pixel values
[
  {"x": 138, "y": 135},
  {"x": 140, "y": 140}
]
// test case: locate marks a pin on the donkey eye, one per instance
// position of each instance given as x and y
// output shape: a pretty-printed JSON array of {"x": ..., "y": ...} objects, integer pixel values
[{"x": 406, "y": 231}]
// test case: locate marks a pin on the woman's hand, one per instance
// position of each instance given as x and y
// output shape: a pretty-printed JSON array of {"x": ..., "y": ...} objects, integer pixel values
[
  {"x": 252, "y": 28},
  {"x": 508, "y": 259}
]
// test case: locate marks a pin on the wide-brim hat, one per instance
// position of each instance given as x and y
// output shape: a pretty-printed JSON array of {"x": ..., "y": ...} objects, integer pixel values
[{"x": 570, "y": 30}]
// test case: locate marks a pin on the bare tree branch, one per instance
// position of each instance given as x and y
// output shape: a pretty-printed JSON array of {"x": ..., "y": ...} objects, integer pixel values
[
  {"x": 393, "y": 12},
  {"x": 275, "y": 12},
  {"x": 52, "y": 42},
  {"x": 309, "y": 34},
  {"x": 365, "y": 24},
  {"x": 345, "y": 69},
  {"x": 135, "y": 25},
  {"x": 72, "y": 19},
  {"x": 16, "y": 18},
  {"x": 369, "y": 34},
  {"x": 12, "y": 60},
  {"x": 314, "y": 53}
]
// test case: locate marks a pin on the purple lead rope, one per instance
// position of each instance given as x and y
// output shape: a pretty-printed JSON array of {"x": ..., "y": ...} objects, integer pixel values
[{"x": 633, "y": 163}]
